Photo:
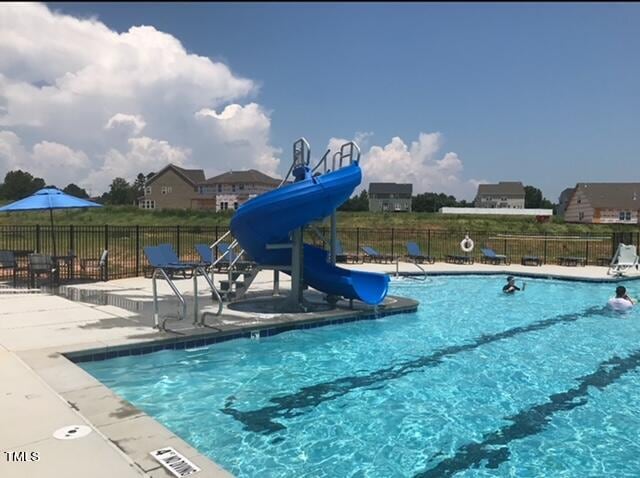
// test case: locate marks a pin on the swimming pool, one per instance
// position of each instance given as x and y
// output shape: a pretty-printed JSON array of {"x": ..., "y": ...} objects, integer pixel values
[{"x": 476, "y": 383}]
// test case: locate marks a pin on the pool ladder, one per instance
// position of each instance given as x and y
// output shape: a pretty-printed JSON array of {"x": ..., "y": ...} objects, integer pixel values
[{"x": 182, "y": 308}]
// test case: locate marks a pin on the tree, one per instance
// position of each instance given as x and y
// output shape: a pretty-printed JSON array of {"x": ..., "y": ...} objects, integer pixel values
[
  {"x": 356, "y": 203},
  {"x": 19, "y": 184},
  {"x": 432, "y": 202},
  {"x": 138, "y": 184},
  {"x": 533, "y": 199},
  {"x": 120, "y": 192},
  {"x": 76, "y": 191}
]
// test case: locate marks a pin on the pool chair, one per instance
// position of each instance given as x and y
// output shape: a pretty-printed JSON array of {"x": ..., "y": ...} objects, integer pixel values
[
  {"x": 205, "y": 253},
  {"x": 489, "y": 256},
  {"x": 341, "y": 255},
  {"x": 372, "y": 255},
  {"x": 415, "y": 254},
  {"x": 624, "y": 259},
  {"x": 41, "y": 264},
  {"x": 157, "y": 257},
  {"x": 8, "y": 262}
]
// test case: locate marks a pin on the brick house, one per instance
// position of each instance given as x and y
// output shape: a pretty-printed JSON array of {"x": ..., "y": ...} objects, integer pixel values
[
  {"x": 505, "y": 194},
  {"x": 604, "y": 203},
  {"x": 390, "y": 197},
  {"x": 172, "y": 188}
]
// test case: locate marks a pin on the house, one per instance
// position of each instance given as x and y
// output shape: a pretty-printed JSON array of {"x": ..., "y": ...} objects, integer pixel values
[
  {"x": 172, "y": 187},
  {"x": 390, "y": 197},
  {"x": 234, "y": 188},
  {"x": 604, "y": 203},
  {"x": 505, "y": 194},
  {"x": 177, "y": 188},
  {"x": 563, "y": 200}
]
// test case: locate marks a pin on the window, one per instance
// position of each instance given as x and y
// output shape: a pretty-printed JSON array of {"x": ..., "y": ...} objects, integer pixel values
[
  {"x": 166, "y": 190},
  {"x": 241, "y": 187},
  {"x": 621, "y": 215},
  {"x": 233, "y": 188},
  {"x": 235, "y": 205},
  {"x": 580, "y": 216},
  {"x": 628, "y": 216},
  {"x": 625, "y": 215},
  {"x": 147, "y": 204},
  {"x": 219, "y": 188},
  {"x": 147, "y": 191}
]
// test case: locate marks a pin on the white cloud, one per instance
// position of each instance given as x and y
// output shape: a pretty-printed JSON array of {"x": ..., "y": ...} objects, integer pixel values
[
  {"x": 57, "y": 163},
  {"x": 130, "y": 125},
  {"x": 78, "y": 84},
  {"x": 419, "y": 164}
]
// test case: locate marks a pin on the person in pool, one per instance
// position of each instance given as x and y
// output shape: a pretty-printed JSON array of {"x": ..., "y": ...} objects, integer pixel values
[
  {"x": 621, "y": 301},
  {"x": 511, "y": 286}
]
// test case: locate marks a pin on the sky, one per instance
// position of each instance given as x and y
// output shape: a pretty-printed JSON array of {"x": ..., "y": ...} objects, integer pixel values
[{"x": 445, "y": 96}]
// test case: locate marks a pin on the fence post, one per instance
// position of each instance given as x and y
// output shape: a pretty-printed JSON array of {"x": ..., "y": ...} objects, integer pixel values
[
  {"x": 428, "y": 242},
  {"x": 392, "y": 241},
  {"x": 178, "y": 240},
  {"x": 137, "y": 250},
  {"x": 505, "y": 246},
  {"x": 357, "y": 244},
  {"x": 106, "y": 246},
  {"x": 215, "y": 252},
  {"x": 586, "y": 259},
  {"x": 544, "y": 261},
  {"x": 38, "y": 245}
]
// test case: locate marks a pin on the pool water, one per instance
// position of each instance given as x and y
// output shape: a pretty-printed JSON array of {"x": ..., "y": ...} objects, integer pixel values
[{"x": 477, "y": 383}]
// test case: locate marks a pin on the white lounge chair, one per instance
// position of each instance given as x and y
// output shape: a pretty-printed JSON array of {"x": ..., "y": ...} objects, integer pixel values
[{"x": 624, "y": 259}]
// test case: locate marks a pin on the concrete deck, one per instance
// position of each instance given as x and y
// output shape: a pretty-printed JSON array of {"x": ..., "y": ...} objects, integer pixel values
[{"x": 41, "y": 390}]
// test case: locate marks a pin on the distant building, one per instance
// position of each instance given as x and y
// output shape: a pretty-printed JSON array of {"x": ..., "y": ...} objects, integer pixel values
[
  {"x": 499, "y": 211},
  {"x": 178, "y": 188},
  {"x": 171, "y": 188},
  {"x": 234, "y": 188},
  {"x": 604, "y": 203},
  {"x": 505, "y": 194},
  {"x": 390, "y": 197},
  {"x": 563, "y": 200}
]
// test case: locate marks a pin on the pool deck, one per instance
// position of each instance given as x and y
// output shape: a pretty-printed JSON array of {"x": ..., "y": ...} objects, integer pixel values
[{"x": 42, "y": 390}]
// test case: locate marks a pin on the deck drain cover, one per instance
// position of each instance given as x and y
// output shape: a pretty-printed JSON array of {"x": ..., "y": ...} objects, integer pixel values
[{"x": 71, "y": 432}]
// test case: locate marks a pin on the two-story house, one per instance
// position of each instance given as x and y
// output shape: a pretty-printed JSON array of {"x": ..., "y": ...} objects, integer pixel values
[
  {"x": 172, "y": 187},
  {"x": 390, "y": 197},
  {"x": 234, "y": 188},
  {"x": 604, "y": 203},
  {"x": 505, "y": 194}
]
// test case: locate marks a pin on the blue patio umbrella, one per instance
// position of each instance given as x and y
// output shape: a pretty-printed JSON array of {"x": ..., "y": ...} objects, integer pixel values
[{"x": 48, "y": 198}]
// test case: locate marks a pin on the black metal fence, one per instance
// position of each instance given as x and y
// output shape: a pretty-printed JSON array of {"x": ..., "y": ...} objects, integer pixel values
[{"x": 126, "y": 244}]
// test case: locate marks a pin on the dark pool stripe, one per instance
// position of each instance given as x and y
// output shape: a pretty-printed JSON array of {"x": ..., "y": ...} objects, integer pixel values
[
  {"x": 298, "y": 403},
  {"x": 494, "y": 448}
]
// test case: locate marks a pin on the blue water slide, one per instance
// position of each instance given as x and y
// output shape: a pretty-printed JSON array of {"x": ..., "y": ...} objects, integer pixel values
[{"x": 270, "y": 217}]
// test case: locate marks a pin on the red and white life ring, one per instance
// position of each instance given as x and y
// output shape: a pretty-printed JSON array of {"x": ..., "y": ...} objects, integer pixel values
[{"x": 466, "y": 244}]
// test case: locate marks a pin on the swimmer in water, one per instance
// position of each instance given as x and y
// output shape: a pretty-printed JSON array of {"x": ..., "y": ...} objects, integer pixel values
[
  {"x": 621, "y": 301},
  {"x": 511, "y": 286}
]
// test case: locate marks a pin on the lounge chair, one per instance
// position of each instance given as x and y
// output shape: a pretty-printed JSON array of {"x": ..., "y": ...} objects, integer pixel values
[
  {"x": 205, "y": 253},
  {"x": 572, "y": 261},
  {"x": 415, "y": 254},
  {"x": 458, "y": 259},
  {"x": 490, "y": 256},
  {"x": 624, "y": 259},
  {"x": 8, "y": 261},
  {"x": 341, "y": 255},
  {"x": 157, "y": 257},
  {"x": 99, "y": 265},
  {"x": 532, "y": 260},
  {"x": 40, "y": 264},
  {"x": 374, "y": 256}
]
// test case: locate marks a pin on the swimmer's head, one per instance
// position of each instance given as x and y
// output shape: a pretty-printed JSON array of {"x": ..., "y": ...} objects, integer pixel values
[{"x": 621, "y": 291}]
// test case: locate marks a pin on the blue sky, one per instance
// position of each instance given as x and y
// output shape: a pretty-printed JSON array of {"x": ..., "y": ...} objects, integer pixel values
[{"x": 543, "y": 93}]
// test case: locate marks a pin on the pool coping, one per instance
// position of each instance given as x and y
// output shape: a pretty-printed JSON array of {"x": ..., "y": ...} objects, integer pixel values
[
  {"x": 530, "y": 275},
  {"x": 130, "y": 429}
]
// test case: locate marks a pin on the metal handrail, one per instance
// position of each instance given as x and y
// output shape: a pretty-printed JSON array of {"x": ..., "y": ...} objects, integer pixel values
[
  {"x": 212, "y": 246},
  {"x": 195, "y": 295},
  {"x": 156, "y": 312},
  {"x": 415, "y": 263},
  {"x": 323, "y": 161}
]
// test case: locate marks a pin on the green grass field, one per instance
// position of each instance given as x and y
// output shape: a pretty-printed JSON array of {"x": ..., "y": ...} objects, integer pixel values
[{"x": 129, "y": 215}]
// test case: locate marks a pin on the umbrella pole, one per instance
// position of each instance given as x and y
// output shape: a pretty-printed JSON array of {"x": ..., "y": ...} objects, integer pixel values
[{"x": 53, "y": 234}]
